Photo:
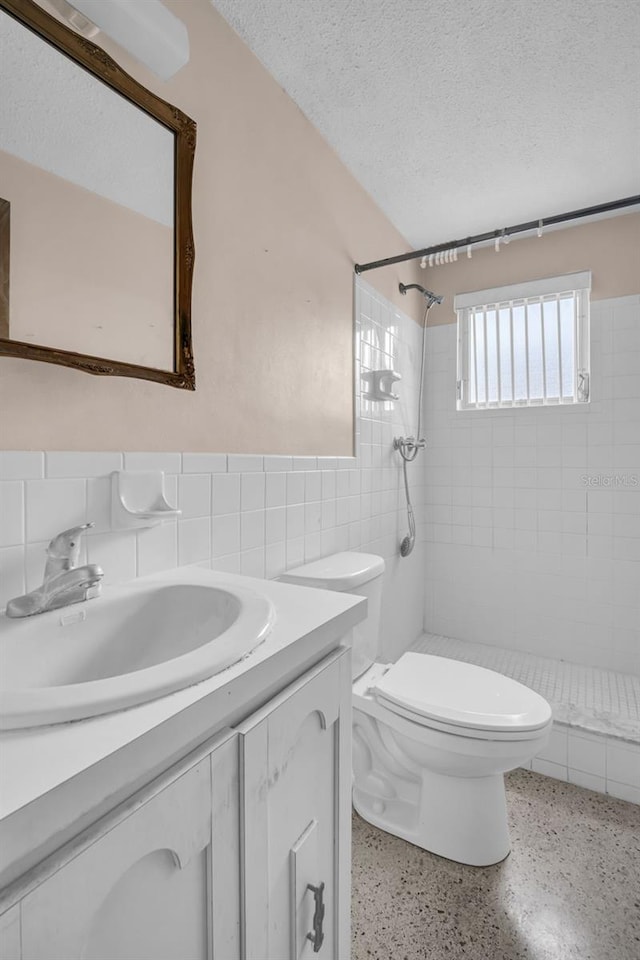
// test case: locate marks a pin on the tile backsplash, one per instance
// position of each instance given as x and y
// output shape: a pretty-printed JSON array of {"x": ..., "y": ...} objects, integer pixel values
[{"x": 252, "y": 515}]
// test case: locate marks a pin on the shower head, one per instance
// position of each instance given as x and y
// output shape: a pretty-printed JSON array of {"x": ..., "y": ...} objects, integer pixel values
[{"x": 429, "y": 296}]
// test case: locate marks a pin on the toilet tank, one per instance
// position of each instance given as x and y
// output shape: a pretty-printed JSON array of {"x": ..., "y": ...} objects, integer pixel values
[{"x": 349, "y": 572}]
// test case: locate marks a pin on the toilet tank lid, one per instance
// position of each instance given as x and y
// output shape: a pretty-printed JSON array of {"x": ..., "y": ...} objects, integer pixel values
[{"x": 341, "y": 571}]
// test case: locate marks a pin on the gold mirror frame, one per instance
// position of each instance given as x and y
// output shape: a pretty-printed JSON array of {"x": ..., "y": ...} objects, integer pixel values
[{"x": 101, "y": 65}]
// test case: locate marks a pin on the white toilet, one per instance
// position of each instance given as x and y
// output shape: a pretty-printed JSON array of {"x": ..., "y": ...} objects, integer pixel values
[{"x": 432, "y": 737}]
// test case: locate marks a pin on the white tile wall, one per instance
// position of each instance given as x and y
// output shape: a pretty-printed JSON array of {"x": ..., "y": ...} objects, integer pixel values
[
  {"x": 602, "y": 763},
  {"x": 12, "y": 513},
  {"x": 298, "y": 513},
  {"x": 388, "y": 340},
  {"x": 253, "y": 514},
  {"x": 532, "y": 517}
]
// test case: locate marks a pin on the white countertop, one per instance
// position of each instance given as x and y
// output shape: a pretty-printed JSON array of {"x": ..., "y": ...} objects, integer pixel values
[{"x": 69, "y": 763}]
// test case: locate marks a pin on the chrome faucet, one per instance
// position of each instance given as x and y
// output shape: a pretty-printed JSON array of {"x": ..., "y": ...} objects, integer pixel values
[{"x": 64, "y": 582}]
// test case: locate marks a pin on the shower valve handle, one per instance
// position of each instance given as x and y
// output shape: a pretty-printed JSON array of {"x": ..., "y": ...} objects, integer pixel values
[{"x": 400, "y": 443}]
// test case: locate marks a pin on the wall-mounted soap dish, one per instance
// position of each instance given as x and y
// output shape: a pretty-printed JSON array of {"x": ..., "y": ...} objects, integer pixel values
[
  {"x": 138, "y": 499},
  {"x": 381, "y": 383}
]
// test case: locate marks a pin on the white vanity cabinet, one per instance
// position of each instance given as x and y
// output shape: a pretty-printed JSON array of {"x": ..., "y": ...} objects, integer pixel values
[{"x": 212, "y": 860}]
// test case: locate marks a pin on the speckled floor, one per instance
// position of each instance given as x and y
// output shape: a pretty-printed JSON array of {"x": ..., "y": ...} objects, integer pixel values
[{"x": 569, "y": 890}]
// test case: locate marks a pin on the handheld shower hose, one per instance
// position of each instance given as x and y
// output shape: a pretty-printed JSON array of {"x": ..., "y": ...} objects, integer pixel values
[{"x": 408, "y": 448}]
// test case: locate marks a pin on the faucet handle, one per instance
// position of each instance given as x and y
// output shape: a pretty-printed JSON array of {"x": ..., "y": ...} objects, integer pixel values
[{"x": 66, "y": 546}]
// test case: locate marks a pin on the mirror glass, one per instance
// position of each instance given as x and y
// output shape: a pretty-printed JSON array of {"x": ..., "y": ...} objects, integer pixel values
[{"x": 89, "y": 254}]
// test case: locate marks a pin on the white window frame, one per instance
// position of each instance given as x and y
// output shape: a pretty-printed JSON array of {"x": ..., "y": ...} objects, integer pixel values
[{"x": 523, "y": 294}]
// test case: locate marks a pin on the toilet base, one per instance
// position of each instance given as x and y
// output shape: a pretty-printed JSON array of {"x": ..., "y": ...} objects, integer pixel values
[{"x": 461, "y": 818}]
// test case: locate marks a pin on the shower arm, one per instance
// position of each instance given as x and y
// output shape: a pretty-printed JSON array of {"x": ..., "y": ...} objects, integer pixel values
[{"x": 429, "y": 296}]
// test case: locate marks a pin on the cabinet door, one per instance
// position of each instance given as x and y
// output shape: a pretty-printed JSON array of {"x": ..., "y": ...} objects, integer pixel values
[
  {"x": 296, "y": 826},
  {"x": 143, "y": 885}
]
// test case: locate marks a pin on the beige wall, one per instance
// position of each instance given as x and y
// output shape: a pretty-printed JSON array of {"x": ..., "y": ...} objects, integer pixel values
[
  {"x": 278, "y": 224},
  {"x": 609, "y": 248}
]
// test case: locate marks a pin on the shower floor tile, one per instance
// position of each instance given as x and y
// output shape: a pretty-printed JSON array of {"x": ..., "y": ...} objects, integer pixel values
[
  {"x": 601, "y": 701},
  {"x": 568, "y": 890}
]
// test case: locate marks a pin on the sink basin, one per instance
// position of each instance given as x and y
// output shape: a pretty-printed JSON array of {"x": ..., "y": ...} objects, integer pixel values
[{"x": 133, "y": 644}]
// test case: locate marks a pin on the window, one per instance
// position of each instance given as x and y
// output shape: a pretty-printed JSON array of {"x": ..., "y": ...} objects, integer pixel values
[{"x": 524, "y": 345}]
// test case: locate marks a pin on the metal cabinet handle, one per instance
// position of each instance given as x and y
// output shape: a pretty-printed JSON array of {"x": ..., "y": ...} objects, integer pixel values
[{"x": 317, "y": 937}]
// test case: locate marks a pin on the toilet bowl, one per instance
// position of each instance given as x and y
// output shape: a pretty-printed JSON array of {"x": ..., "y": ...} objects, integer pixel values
[{"x": 432, "y": 737}]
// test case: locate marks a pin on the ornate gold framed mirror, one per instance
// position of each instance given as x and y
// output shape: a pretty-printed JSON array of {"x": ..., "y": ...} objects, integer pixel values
[{"x": 96, "y": 242}]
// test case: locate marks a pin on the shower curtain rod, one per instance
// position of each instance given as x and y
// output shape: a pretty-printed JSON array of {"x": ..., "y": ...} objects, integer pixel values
[{"x": 504, "y": 233}]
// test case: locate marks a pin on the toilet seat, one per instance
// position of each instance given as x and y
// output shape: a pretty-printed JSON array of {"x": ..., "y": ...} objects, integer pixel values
[{"x": 459, "y": 697}]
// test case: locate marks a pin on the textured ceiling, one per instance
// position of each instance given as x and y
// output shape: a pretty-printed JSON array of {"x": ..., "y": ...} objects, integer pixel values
[{"x": 460, "y": 116}]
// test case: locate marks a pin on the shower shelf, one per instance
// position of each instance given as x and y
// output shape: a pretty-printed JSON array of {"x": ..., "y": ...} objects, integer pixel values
[{"x": 381, "y": 383}]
